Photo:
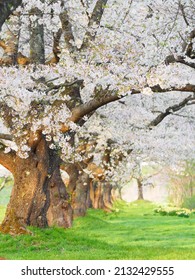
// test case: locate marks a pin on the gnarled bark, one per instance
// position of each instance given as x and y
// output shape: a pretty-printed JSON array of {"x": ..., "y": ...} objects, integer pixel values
[
  {"x": 79, "y": 199},
  {"x": 107, "y": 196},
  {"x": 101, "y": 195},
  {"x": 37, "y": 45},
  {"x": 78, "y": 188},
  {"x": 39, "y": 197}
]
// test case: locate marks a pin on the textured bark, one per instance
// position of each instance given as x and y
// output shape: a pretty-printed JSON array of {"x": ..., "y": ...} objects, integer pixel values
[
  {"x": 97, "y": 195},
  {"x": 116, "y": 194},
  {"x": 10, "y": 44},
  {"x": 56, "y": 47},
  {"x": 89, "y": 201},
  {"x": 78, "y": 188},
  {"x": 104, "y": 96},
  {"x": 73, "y": 173},
  {"x": 80, "y": 196},
  {"x": 37, "y": 45},
  {"x": 97, "y": 202},
  {"x": 94, "y": 19},
  {"x": 67, "y": 31},
  {"x": 39, "y": 197},
  {"x": 92, "y": 193},
  {"x": 101, "y": 195},
  {"x": 107, "y": 196}
]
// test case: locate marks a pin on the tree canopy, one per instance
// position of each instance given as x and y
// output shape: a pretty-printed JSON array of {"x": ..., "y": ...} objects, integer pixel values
[{"x": 102, "y": 54}]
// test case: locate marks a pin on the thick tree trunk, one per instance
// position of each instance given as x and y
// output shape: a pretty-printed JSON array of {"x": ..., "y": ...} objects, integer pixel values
[
  {"x": 120, "y": 193},
  {"x": 79, "y": 202},
  {"x": 107, "y": 197},
  {"x": 101, "y": 195},
  {"x": 78, "y": 189},
  {"x": 114, "y": 194},
  {"x": 39, "y": 197},
  {"x": 89, "y": 201},
  {"x": 140, "y": 189},
  {"x": 92, "y": 192},
  {"x": 73, "y": 174},
  {"x": 97, "y": 201}
]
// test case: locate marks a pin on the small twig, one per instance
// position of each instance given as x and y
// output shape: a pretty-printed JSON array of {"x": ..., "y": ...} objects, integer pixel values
[
  {"x": 5, "y": 181},
  {"x": 183, "y": 13},
  {"x": 78, "y": 82},
  {"x": 170, "y": 110},
  {"x": 83, "y": 4}
]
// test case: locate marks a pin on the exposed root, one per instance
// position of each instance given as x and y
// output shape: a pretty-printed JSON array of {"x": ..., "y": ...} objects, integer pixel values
[{"x": 12, "y": 225}]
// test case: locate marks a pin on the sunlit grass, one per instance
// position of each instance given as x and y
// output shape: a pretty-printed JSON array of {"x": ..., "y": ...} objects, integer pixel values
[
  {"x": 133, "y": 231},
  {"x": 2, "y": 212}
]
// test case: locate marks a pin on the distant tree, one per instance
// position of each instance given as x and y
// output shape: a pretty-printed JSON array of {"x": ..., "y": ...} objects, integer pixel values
[
  {"x": 143, "y": 179},
  {"x": 182, "y": 183}
]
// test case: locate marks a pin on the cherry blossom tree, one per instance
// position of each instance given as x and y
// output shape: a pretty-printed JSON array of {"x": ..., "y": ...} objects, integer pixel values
[{"x": 106, "y": 50}]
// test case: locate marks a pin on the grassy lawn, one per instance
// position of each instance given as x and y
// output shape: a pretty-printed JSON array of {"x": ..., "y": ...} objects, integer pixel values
[{"x": 134, "y": 232}]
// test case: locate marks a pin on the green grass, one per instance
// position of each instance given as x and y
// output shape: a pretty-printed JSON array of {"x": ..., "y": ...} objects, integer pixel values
[
  {"x": 5, "y": 195},
  {"x": 134, "y": 232}
]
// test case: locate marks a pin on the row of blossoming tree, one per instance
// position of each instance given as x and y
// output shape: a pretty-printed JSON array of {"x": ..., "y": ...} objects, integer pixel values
[{"x": 63, "y": 60}]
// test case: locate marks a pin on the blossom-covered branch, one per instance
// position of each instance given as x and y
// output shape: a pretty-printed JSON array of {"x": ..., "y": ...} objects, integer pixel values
[
  {"x": 184, "y": 88},
  {"x": 6, "y": 136},
  {"x": 103, "y": 97},
  {"x": 67, "y": 30},
  {"x": 172, "y": 109},
  {"x": 6, "y": 9},
  {"x": 180, "y": 59},
  {"x": 94, "y": 22}
]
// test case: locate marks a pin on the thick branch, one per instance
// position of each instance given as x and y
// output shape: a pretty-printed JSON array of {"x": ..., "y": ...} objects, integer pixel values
[
  {"x": 67, "y": 30},
  {"x": 186, "y": 88},
  {"x": 5, "y": 136},
  {"x": 105, "y": 96},
  {"x": 170, "y": 110},
  {"x": 190, "y": 64},
  {"x": 189, "y": 49},
  {"x": 89, "y": 107},
  {"x": 180, "y": 59},
  {"x": 95, "y": 19},
  {"x": 56, "y": 44},
  {"x": 6, "y": 9},
  {"x": 97, "y": 12},
  {"x": 86, "y": 6},
  {"x": 37, "y": 44}
]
